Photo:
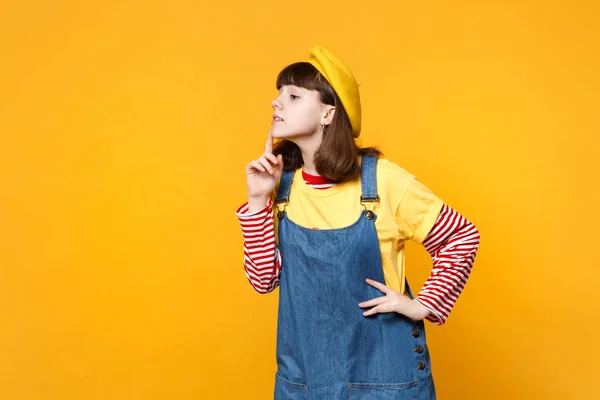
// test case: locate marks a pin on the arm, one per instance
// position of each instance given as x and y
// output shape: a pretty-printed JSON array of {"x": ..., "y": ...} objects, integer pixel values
[
  {"x": 452, "y": 243},
  {"x": 262, "y": 261}
]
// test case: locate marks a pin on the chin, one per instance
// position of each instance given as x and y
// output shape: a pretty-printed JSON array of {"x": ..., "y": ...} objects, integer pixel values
[
  {"x": 280, "y": 135},
  {"x": 287, "y": 135}
]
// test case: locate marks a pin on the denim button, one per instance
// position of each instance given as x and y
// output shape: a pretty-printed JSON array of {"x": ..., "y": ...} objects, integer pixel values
[
  {"x": 415, "y": 333},
  {"x": 421, "y": 366},
  {"x": 280, "y": 215},
  {"x": 370, "y": 214},
  {"x": 418, "y": 349}
]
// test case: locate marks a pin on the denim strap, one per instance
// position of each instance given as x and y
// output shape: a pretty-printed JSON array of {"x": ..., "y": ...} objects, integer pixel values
[
  {"x": 368, "y": 179},
  {"x": 285, "y": 185}
]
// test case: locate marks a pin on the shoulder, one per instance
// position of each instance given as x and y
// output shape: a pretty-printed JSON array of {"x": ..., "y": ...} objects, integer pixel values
[
  {"x": 391, "y": 175},
  {"x": 400, "y": 187}
]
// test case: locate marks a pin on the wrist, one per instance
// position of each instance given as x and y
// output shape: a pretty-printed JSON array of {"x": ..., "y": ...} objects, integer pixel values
[
  {"x": 257, "y": 203},
  {"x": 422, "y": 311}
]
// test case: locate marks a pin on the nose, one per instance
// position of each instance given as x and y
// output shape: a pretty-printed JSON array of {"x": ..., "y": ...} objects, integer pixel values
[{"x": 276, "y": 104}]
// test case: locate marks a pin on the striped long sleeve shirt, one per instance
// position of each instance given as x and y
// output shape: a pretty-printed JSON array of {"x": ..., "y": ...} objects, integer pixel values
[{"x": 452, "y": 243}]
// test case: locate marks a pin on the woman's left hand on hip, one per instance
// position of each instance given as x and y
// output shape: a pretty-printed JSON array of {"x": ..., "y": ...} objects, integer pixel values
[{"x": 393, "y": 302}]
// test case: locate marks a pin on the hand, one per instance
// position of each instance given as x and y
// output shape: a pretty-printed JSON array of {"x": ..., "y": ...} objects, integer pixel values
[
  {"x": 263, "y": 173},
  {"x": 393, "y": 301}
]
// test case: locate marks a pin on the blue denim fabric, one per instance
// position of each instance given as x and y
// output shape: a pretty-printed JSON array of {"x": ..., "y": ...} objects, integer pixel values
[{"x": 326, "y": 348}]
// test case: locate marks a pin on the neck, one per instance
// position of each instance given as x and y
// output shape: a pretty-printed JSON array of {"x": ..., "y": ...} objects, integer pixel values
[
  {"x": 309, "y": 146},
  {"x": 309, "y": 162}
]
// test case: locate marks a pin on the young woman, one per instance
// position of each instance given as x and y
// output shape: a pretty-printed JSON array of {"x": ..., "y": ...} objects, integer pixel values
[{"x": 348, "y": 325}]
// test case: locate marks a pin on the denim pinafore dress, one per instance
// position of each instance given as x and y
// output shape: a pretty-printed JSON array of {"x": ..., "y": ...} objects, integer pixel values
[{"x": 326, "y": 348}]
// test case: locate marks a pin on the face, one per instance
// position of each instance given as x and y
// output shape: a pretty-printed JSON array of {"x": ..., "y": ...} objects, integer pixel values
[{"x": 298, "y": 112}]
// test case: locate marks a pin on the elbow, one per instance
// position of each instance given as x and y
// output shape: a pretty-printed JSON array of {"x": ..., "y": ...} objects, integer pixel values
[
  {"x": 476, "y": 236},
  {"x": 261, "y": 288}
]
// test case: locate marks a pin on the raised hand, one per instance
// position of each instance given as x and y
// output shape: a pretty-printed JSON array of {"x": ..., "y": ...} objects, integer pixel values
[{"x": 262, "y": 175}]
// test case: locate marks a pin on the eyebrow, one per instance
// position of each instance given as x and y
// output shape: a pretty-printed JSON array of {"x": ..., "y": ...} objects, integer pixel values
[{"x": 294, "y": 87}]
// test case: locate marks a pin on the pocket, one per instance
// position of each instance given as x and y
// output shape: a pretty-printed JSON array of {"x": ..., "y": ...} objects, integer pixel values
[
  {"x": 383, "y": 391},
  {"x": 287, "y": 390}
]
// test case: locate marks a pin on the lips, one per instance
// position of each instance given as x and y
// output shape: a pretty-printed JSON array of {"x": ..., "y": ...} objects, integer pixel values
[{"x": 277, "y": 118}]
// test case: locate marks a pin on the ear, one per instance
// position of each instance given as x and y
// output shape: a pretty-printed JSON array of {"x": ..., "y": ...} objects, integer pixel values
[{"x": 328, "y": 113}]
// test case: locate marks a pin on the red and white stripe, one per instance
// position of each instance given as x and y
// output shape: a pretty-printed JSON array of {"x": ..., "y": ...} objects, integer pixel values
[
  {"x": 262, "y": 261},
  {"x": 452, "y": 242},
  {"x": 317, "y": 182}
]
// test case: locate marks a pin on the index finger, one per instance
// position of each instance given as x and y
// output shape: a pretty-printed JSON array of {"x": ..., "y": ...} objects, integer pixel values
[
  {"x": 378, "y": 285},
  {"x": 269, "y": 145}
]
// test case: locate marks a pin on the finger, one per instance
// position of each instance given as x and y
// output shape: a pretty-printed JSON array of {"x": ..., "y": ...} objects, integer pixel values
[
  {"x": 279, "y": 165},
  {"x": 385, "y": 307},
  {"x": 269, "y": 145},
  {"x": 372, "y": 302},
  {"x": 265, "y": 163},
  {"x": 271, "y": 157},
  {"x": 378, "y": 285},
  {"x": 257, "y": 166},
  {"x": 372, "y": 311}
]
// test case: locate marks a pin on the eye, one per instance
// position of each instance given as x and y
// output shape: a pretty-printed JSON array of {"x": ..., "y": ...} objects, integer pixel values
[{"x": 294, "y": 97}]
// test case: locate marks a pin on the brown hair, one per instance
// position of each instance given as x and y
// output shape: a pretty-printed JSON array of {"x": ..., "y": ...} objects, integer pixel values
[{"x": 336, "y": 159}]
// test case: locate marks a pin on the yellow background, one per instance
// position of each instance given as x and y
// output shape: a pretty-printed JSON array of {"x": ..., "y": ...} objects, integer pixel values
[{"x": 125, "y": 129}]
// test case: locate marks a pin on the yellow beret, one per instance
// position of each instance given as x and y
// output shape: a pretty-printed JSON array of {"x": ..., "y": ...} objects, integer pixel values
[{"x": 341, "y": 80}]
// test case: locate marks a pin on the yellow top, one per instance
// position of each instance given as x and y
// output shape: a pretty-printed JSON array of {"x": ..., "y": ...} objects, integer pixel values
[{"x": 407, "y": 209}]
